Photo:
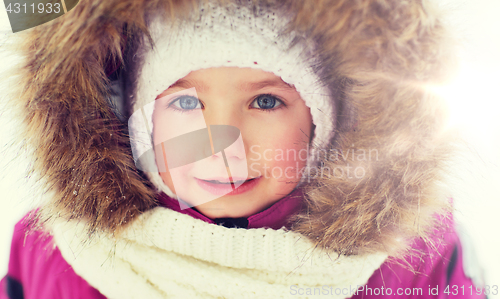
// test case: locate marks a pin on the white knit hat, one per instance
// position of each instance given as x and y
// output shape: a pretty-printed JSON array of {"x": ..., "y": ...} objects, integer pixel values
[{"x": 229, "y": 36}]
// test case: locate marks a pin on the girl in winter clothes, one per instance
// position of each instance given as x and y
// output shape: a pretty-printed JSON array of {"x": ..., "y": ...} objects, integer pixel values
[{"x": 236, "y": 149}]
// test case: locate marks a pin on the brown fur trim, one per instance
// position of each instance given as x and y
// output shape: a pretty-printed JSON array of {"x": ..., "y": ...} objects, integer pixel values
[{"x": 376, "y": 56}]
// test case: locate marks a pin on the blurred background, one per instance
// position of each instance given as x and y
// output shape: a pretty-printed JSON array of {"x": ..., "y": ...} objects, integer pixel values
[{"x": 473, "y": 96}]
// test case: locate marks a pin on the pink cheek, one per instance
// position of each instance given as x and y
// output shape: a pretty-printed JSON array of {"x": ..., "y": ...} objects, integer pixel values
[
  {"x": 288, "y": 158},
  {"x": 180, "y": 177},
  {"x": 165, "y": 128}
]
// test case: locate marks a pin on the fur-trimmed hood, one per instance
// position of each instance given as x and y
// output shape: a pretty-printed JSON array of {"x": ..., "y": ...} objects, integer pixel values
[{"x": 376, "y": 58}]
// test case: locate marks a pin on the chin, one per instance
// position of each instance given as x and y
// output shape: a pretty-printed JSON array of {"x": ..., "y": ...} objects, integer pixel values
[{"x": 218, "y": 209}]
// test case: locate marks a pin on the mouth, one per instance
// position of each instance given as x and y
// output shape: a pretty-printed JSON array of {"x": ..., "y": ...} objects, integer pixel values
[{"x": 220, "y": 187}]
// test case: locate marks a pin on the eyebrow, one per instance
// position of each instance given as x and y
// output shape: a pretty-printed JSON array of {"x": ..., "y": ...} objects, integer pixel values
[
  {"x": 278, "y": 83},
  {"x": 184, "y": 83},
  {"x": 247, "y": 86}
]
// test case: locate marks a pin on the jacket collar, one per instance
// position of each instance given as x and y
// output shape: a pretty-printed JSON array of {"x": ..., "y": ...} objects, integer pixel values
[{"x": 275, "y": 217}]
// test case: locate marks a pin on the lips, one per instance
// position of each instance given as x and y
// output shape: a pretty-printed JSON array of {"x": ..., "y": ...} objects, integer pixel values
[
  {"x": 233, "y": 180},
  {"x": 225, "y": 186}
]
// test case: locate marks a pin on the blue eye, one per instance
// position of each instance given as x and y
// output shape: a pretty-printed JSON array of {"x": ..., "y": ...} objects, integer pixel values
[
  {"x": 186, "y": 103},
  {"x": 266, "y": 102}
]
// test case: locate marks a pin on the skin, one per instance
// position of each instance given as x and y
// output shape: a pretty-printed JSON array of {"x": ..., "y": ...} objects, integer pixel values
[{"x": 236, "y": 97}]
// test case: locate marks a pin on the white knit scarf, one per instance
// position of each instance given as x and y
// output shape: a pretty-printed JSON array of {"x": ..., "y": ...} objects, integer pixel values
[{"x": 166, "y": 254}]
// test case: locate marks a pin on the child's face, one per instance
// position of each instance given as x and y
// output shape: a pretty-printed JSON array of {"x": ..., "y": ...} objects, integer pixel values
[{"x": 275, "y": 127}]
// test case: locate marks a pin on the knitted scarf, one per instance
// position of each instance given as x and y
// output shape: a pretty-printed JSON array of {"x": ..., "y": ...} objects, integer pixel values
[{"x": 165, "y": 254}]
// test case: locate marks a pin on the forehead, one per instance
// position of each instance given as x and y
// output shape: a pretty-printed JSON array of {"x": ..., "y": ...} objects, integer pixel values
[{"x": 246, "y": 79}]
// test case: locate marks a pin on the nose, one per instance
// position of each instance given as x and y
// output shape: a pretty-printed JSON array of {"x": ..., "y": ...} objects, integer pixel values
[
  {"x": 224, "y": 119},
  {"x": 226, "y": 142}
]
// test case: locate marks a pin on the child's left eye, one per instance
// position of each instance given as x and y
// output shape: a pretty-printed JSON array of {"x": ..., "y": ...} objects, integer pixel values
[{"x": 266, "y": 102}]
